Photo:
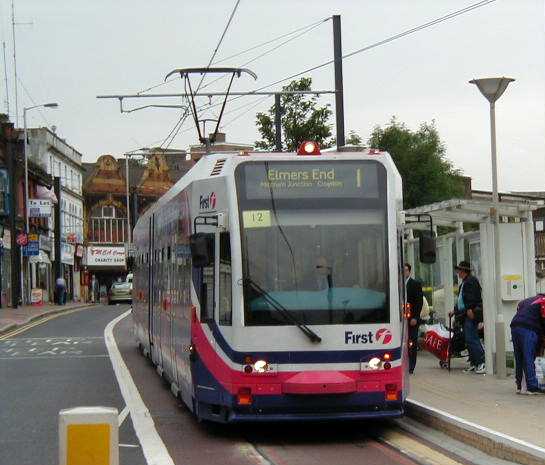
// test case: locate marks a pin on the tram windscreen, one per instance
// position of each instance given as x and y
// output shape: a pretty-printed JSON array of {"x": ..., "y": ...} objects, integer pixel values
[{"x": 314, "y": 242}]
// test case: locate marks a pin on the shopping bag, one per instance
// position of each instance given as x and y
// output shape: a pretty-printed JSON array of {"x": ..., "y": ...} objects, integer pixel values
[{"x": 436, "y": 341}]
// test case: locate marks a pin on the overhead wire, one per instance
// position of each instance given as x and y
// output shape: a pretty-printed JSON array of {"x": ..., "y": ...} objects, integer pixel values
[
  {"x": 275, "y": 39},
  {"x": 254, "y": 104},
  {"x": 407, "y": 32},
  {"x": 46, "y": 121},
  {"x": 183, "y": 118},
  {"x": 267, "y": 52},
  {"x": 262, "y": 44}
]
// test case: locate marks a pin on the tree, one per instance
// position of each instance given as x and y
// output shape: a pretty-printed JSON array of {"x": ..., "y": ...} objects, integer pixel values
[
  {"x": 428, "y": 176},
  {"x": 302, "y": 119},
  {"x": 354, "y": 138}
]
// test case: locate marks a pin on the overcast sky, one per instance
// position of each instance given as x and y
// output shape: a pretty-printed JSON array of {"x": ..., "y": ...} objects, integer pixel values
[{"x": 78, "y": 49}]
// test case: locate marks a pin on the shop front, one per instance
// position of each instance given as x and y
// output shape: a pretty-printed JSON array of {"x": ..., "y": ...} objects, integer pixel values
[
  {"x": 5, "y": 269},
  {"x": 104, "y": 266},
  {"x": 67, "y": 260}
]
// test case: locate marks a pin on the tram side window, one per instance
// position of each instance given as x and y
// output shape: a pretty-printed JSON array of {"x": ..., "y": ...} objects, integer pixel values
[
  {"x": 207, "y": 290},
  {"x": 225, "y": 303}
]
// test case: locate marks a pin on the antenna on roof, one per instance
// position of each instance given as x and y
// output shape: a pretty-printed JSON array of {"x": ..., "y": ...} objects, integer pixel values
[{"x": 185, "y": 73}]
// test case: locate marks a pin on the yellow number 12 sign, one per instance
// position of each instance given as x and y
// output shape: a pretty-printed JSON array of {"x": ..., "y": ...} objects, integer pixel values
[{"x": 256, "y": 218}]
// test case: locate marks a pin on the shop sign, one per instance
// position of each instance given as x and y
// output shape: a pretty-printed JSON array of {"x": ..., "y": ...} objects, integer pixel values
[
  {"x": 105, "y": 256},
  {"x": 22, "y": 239},
  {"x": 67, "y": 253},
  {"x": 79, "y": 251},
  {"x": 46, "y": 243},
  {"x": 39, "y": 208},
  {"x": 7, "y": 239},
  {"x": 36, "y": 296},
  {"x": 71, "y": 238},
  {"x": 31, "y": 249}
]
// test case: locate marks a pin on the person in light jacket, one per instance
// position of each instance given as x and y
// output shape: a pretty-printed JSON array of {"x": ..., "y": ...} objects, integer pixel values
[{"x": 469, "y": 308}]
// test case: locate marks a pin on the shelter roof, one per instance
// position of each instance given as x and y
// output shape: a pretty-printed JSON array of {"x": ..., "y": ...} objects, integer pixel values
[{"x": 476, "y": 210}]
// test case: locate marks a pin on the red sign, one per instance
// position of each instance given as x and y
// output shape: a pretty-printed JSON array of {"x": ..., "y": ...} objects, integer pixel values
[{"x": 22, "y": 239}]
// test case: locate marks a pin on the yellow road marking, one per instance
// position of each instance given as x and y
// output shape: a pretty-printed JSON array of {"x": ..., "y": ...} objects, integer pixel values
[
  {"x": 412, "y": 447},
  {"x": 33, "y": 324}
]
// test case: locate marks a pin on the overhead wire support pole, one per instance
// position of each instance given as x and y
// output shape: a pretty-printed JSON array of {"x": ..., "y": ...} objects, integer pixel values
[
  {"x": 278, "y": 122},
  {"x": 338, "y": 65}
]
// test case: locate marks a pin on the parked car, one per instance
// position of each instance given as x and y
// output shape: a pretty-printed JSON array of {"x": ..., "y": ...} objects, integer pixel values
[{"x": 121, "y": 291}]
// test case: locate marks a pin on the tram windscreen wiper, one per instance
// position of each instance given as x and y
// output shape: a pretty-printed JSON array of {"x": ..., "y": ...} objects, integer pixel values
[{"x": 283, "y": 310}]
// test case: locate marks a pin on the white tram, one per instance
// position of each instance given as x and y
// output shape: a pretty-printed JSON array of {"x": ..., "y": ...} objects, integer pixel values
[{"x": 268, "y": 286}]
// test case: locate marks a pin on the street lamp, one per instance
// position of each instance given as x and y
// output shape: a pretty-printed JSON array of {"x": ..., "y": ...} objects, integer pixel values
[
  {"x": 492, "y": 89},
  {"x": 27, "y": 225}
]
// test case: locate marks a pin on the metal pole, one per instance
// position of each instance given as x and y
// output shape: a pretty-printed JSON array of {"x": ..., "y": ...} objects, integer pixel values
[
  {"x": 58, "y": 264},
  {"x": 501, "y": 369},
  {"x": 278, "y": 122},
  {"x": 6, "y": 78},
  {"x": 129, "y": 235},
  {"x": 338, "y": 64},
  {"x": 495, "y": 197},
  {"x": 13, "y": 180},
  {"x": 26, "y": 291},
  {"x": 15, "y": 64}
]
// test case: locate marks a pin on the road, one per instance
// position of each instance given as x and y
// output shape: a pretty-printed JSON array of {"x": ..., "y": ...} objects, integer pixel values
[
  {"x": 64, "y": 363},
  {"x": 60, "y": 364}
]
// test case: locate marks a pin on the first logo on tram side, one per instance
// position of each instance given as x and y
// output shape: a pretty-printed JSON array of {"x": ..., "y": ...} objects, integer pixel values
[{"x": 207, "y": 202}]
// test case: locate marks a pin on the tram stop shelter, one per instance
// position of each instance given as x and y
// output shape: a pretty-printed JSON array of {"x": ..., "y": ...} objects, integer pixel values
[{"x": 465, "y": 231}]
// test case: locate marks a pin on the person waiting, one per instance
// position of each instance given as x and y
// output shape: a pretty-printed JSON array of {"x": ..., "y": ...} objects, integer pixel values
[
  {"x": 469, "y": 307},
  {"x": 415, "y": 298}
]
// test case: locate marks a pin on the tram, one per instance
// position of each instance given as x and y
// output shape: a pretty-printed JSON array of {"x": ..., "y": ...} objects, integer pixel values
[{"x": 268, "y": 286}]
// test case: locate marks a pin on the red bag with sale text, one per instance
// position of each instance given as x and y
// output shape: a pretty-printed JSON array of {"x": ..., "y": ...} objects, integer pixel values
[{"x": 437, "y": 342}]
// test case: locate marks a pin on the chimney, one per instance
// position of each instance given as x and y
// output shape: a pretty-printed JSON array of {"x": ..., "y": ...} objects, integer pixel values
[{"x": 220, "y": 138}]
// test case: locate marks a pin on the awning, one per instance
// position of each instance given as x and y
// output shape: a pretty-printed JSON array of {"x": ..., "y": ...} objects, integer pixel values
[{"x": 42, "y": 257}]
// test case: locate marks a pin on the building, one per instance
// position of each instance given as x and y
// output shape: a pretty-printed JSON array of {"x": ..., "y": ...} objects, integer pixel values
[
  {"x": 106, "y": 226},
  {"x": 59, "y": 159}
]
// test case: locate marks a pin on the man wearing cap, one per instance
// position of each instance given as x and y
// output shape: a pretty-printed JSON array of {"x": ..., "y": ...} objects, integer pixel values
[{"x": 470, "y": 307}]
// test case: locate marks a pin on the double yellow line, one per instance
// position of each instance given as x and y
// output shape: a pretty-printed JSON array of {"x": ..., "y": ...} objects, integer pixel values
[{"x": 38, "y": 322}]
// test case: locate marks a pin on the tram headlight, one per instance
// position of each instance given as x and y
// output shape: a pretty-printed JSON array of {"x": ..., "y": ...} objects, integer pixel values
[
  {"x": 375, "y": 363},
  {"x": 261, "y": 366}
]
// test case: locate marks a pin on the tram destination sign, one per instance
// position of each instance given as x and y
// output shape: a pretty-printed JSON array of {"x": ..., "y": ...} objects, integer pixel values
[{"x": 311, "y": 180}]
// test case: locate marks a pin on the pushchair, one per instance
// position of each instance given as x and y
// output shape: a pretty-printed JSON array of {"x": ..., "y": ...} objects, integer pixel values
[{"x": 445, "y": 343}]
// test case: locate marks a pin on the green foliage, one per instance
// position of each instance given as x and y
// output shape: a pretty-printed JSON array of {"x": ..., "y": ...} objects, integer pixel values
[
  {"x": 302, "y": 119},
  {"x": 428, "y": 176},
  {"x": 354, "y": 138}
]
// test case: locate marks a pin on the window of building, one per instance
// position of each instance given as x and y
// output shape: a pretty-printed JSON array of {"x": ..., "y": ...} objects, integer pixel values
[{"x": 107, "y": 224}]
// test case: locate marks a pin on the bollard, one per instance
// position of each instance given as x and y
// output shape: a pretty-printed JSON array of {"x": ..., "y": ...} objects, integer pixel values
[{"x": 89, "y": 436}]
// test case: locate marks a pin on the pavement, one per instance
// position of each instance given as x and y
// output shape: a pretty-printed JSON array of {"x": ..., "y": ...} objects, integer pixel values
[
  {"x": 12, "y": 318},
  {"x": 482, "y": 409}
]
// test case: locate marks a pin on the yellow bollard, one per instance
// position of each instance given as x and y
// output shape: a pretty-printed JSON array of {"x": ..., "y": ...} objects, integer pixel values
[{"x": 89, "y": 436}]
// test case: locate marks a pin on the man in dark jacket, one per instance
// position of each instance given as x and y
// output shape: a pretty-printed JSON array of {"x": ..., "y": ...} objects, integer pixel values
[
  {"x": 414, "y": 297},
  {"x": 470, "y": 308},
  {"x": 527, "y": 331}
]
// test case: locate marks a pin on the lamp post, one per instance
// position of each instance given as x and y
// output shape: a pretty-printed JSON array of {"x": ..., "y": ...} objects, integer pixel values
[
  {"x": 492, "y": 89},
  {"x": 27, "y": 224}
]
